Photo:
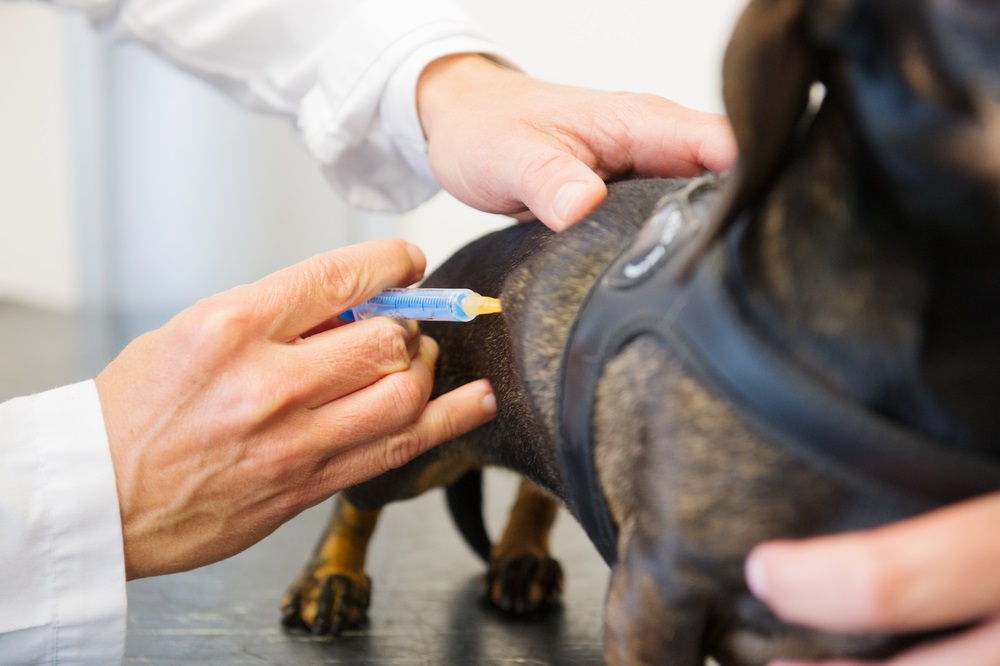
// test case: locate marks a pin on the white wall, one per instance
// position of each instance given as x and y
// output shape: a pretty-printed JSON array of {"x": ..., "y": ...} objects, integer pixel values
[
  {"x": 205, "y": 195},
  {"x": 37, "y": 233},
  {"x": 202, "y": 195}
]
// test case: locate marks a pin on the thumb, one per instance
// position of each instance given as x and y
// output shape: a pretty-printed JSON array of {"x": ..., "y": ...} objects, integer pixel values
[{"x": 559, "y": 189}]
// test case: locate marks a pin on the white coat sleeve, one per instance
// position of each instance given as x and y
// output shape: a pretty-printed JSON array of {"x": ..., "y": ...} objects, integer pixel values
[
  {"x": 344, "y": 70},
  {"x": 62, "y": 591}
]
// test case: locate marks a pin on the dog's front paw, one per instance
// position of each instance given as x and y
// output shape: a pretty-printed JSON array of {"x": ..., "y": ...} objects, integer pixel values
[
  {"x": 326, "y": 601},
  {"x": 524, "y": 583}
]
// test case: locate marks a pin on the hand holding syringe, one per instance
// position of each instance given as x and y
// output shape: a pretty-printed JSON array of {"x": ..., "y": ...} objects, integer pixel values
[{"x": 425, "y": 305}]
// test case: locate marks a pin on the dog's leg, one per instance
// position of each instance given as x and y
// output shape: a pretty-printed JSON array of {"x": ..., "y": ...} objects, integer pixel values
[
  {"x": 642, "y": 625},
  {"x": 523, "y": 577},
  {"x": 332, "y": 592},
  {"x": 651, "y": 422}
]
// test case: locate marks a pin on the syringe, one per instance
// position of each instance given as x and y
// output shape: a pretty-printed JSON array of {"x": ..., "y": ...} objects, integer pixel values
[{"x": 425, "y": 305}]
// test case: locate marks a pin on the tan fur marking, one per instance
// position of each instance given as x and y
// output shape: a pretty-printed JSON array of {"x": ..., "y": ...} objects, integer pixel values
[
  {"x": 530, "y": 522},
  {"x": 440, "y": 473}
]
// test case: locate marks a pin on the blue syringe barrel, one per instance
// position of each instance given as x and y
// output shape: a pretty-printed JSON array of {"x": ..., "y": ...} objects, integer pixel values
[{"x": 419, "y": 304}]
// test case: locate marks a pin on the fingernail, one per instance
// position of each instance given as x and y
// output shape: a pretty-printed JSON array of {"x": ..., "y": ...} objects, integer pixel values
[
  {"x": 564, "y": 203},
  {"x": 429, "y": 345},
  {"x": 791, "y": 576},
  {"x": 490, "y": 403},
  {"x": 755, "y": 573},
  {"x": 418, "y": 259},
  {"x": 411, "y": 327}
]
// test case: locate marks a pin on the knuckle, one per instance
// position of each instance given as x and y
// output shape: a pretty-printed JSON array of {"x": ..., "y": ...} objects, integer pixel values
[
  {"x": 250, "y": 405},
  {"x": 642, "y": 102},
  {"x": 275, "y": 398},
  {"x": 339, "y": 275},
  {"x": 407, "y": 396},
  {"x": 878, "y": 589},
  {"x": 402, "y": 447},
  {"x": 446, "y": 428},
  {"x": 216, "y": 327},
  {"x": 228, "y": 322},
  {"x": 391, "y": 346}
]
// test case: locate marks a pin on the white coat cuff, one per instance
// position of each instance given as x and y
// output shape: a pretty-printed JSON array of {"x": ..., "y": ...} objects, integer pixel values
[
  {"x": 398, "y": 111},
  {"x": 340, "y": 119},
  {"x": 62, "y": 528}
]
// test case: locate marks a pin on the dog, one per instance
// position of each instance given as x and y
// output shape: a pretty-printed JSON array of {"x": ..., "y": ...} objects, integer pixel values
[{"x": 813, "y": 349}]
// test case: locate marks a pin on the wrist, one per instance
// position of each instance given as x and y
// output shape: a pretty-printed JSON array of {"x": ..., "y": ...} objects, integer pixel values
[{"x": 446, "y": 82}]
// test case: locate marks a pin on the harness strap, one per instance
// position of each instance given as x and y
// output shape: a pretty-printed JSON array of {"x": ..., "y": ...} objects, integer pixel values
[
  {"x": 637, "y": 295},
  {"x": 629, "y": 299},
  {"x": 807, "y": 416}
]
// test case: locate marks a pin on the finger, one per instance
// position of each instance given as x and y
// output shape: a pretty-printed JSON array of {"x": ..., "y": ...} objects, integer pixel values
[
  {"x": 649, "y": 136},
  {"x": 559, "y": 189},
  {"x": 304, "y": 296},
  {"x": 375, "y": 411},
  {"x": 932, "y": 571},
  {"x": 670, "y": 140},
  {"x": 444, "y": 418},
  {"x": 979, "y": 646},
  {"x": 340, "y": 361}
]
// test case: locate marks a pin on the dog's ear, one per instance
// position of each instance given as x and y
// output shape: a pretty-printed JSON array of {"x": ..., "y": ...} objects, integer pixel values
[{"x": 768, "y": 71}]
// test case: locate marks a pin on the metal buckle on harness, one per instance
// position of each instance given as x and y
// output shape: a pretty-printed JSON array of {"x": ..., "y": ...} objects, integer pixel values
[{"x": 677, "y": 217}]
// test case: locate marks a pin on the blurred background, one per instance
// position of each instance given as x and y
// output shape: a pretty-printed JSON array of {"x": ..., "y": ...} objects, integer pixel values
[{"x": 129, "y": 188}]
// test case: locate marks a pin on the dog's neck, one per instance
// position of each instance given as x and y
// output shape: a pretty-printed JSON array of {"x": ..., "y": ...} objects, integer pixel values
[{"x": 894, "y": 306}]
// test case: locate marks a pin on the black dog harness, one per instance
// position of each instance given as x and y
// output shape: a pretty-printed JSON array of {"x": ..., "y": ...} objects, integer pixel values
[{"x": 638, "y": 294}]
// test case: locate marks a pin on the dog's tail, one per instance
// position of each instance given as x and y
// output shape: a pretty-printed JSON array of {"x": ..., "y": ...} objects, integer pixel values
[{"x": 465, "y": 502}]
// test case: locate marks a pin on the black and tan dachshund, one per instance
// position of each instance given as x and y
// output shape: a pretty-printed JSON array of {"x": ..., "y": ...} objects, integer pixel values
[{"x": 808, "y": 346}]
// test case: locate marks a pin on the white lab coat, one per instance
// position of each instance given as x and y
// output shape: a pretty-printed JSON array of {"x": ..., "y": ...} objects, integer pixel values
[{"x": 345, "y": 72}]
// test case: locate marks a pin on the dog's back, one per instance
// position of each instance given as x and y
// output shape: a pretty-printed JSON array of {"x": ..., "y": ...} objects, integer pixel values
[{"x": 541, "y": 281}]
